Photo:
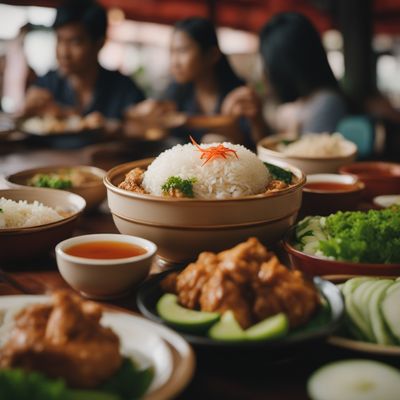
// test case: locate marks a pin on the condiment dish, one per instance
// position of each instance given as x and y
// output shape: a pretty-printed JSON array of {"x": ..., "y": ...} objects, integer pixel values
[{"x": 110, "y": 276}]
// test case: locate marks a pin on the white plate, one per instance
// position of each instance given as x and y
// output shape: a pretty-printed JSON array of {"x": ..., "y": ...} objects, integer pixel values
[{"x": 148, "y": 343}]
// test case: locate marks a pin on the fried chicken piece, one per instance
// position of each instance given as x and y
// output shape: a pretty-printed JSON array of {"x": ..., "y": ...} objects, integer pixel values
[
  {"x": 65, "y": 340},
  {"x": 133, "y": 181},
  {"x": 250, "y": 281},
  {"x": 279, "y": 289},
  {"x": 222, "y": 293},
  {"x": 243, "y": 261},
  {"x": 191, "y": 280}
]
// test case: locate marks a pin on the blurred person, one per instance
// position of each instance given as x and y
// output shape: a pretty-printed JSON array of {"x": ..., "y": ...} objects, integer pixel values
[
  {"x": 80, "y": 85},
  {"x": 297, "y": 75},
  {"x": 202, "y": 76}
]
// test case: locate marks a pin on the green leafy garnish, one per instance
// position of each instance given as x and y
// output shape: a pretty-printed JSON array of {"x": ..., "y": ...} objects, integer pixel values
[
  {"x": 51, "y": 181},
  {"x": 1, "y": 210},
  {"x": 129, "y": 383},
  {"x": 370, "y": 237},
  {"x": 185, "y": 186},
  {"x": 279, "y": 173}
]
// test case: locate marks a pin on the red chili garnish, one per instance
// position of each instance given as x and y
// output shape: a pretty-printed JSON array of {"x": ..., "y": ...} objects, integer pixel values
[{"x": 214, "y": 152}]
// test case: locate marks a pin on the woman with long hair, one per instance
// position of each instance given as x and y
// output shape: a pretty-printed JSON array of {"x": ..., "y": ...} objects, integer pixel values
[{"x": 297, "y": 75}]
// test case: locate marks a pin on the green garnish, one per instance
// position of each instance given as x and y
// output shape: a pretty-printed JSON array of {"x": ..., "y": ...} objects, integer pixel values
[
  {"x": 279, "y": 173},
  {"x": 1, "y": 210},
  {"x": 128, "y": 383},
  {"x": 185, "y": 186},
  {"x": 370, "y": 237},
  {"x": 51, "y": 181}
]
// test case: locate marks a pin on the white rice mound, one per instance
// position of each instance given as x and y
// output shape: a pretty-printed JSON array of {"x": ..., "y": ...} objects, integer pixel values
[
  {"x": 317, "y": 145},
  {"x": 219, "y": 178},
  {"x": 22, "y": 214}
]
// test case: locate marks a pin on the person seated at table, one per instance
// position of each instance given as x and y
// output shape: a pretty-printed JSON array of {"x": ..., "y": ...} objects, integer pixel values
[
  {"x": 202, "y": 74},
  {"x": 80, "y": 84},
  {"x": 298, "y": 75}
]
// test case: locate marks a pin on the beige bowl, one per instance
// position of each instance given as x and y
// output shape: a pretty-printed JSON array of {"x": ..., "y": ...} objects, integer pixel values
[
  {"x": 93, "y": 192},
  {"x": 104, "y": 278},
  {"x": 184, "y": 227},
  {"x": 266, "y": 150},
  {"x": 19, "y": 244}
]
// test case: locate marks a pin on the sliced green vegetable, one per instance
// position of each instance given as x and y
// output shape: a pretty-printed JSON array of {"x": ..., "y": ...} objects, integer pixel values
[
  {"x": 185, "y": 186},
  {"x": 169, "y": 309},
  {"x": 390, "y": 311},
  {"x": 354, "y": 380},
  {"x": 279, "y": 173},
  {"x": 270, "y": 328},
  {"x": 227, "y": 329}
]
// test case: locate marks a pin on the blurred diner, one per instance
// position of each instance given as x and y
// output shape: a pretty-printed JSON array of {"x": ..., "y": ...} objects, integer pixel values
[
  {"x": 80, "y": 85},
  {"x": 297, "y": 75},
  {"x": 202, "y": 80}
]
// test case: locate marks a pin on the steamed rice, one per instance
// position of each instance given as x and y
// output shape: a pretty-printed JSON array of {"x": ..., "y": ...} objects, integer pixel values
[
  {"x": 219, "y": 178},
  {"x": 22, "y": 214},
  {"x": 317, "y": 145}
]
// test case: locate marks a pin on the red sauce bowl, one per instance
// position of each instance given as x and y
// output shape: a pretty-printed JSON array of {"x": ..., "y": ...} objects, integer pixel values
[
  {"x": 324, "y": 194},
  {"x": 379, "y": 177}
]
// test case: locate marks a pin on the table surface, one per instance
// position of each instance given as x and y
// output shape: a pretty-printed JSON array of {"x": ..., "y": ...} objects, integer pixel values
[{"x": 227, "y": 376}]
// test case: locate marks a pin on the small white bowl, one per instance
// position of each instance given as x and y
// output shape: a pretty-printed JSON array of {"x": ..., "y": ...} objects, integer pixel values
[
  {"x": 386, "y": 200},
  {"x": 102, "y": 279}
]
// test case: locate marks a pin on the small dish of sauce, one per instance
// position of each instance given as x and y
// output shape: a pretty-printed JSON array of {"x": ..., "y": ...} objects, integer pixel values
[
  {"x": 105, "y": 250},
  {"x": 330, "y": 187}
]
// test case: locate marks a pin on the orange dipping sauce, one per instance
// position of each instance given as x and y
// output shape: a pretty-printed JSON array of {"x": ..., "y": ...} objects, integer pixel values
[
  {"x": 106, "y": 250},
  {"x": 330, "y": 187}
]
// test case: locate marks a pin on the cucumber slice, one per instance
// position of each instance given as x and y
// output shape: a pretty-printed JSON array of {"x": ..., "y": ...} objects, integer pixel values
[
  {"x": 390, "y": 311},
  {"x": 269, "y": 328},
  {"x": 183, "y": 318},
  {"x": 395, "y": 286},
  {"x": 227, "y": 329},
  {"x": 355, "y": 380},
  {"x": 354, "y": 316},
  {"x": 378, "y": 324}
]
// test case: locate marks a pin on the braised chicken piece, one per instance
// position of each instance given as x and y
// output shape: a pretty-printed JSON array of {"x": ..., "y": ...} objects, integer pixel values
[
  {"x": 279, "y": 289},
  {"x": 65, "y": 340},
  {"x": 133, "y": 181},
  {"x": 248, "y": 280},
  {"x": 190, "y": 281}
]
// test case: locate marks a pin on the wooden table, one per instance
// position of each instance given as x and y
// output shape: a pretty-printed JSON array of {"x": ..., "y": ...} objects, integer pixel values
[{"x": 228, "y": 376}]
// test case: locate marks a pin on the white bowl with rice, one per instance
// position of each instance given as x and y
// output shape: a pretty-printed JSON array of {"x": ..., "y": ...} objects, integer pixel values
[
  {"x": 34, "y": 220},
  {"x": 229, "y": 204},
  {"x": 312, "y": 153}
]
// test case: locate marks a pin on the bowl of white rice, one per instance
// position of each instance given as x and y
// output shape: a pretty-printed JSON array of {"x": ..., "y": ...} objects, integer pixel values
[
  {"x": 34, "y": 220},
  {"x": 187, "y": 202},
  {"x": 313, "y": 153}
]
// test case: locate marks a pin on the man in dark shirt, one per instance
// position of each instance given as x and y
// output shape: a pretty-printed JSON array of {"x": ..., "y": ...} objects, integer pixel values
[{"x": 80, "y": 84}]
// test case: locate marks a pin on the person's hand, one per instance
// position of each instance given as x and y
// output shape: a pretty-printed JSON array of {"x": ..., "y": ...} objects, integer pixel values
[
  {"x": 242, "y": 102},
  {"x": 39, "y": 101},
  {"x": 151, "y": 109}
]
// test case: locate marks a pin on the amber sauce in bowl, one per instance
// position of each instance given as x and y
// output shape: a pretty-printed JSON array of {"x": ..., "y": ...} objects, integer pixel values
[{"x": 105, "y": 250}]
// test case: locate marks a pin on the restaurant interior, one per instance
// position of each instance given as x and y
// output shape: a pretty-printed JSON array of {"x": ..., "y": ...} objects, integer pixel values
[{"x": 199, "y": 199}]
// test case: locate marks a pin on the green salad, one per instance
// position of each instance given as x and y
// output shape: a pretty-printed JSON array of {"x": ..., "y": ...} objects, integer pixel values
[
  {"x": 128, "y": 383},
  {"x": 356, "y": 236}
]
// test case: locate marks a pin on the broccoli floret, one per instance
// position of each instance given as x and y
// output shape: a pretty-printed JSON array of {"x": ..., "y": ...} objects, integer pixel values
[{"x": 185, "y": 186}]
